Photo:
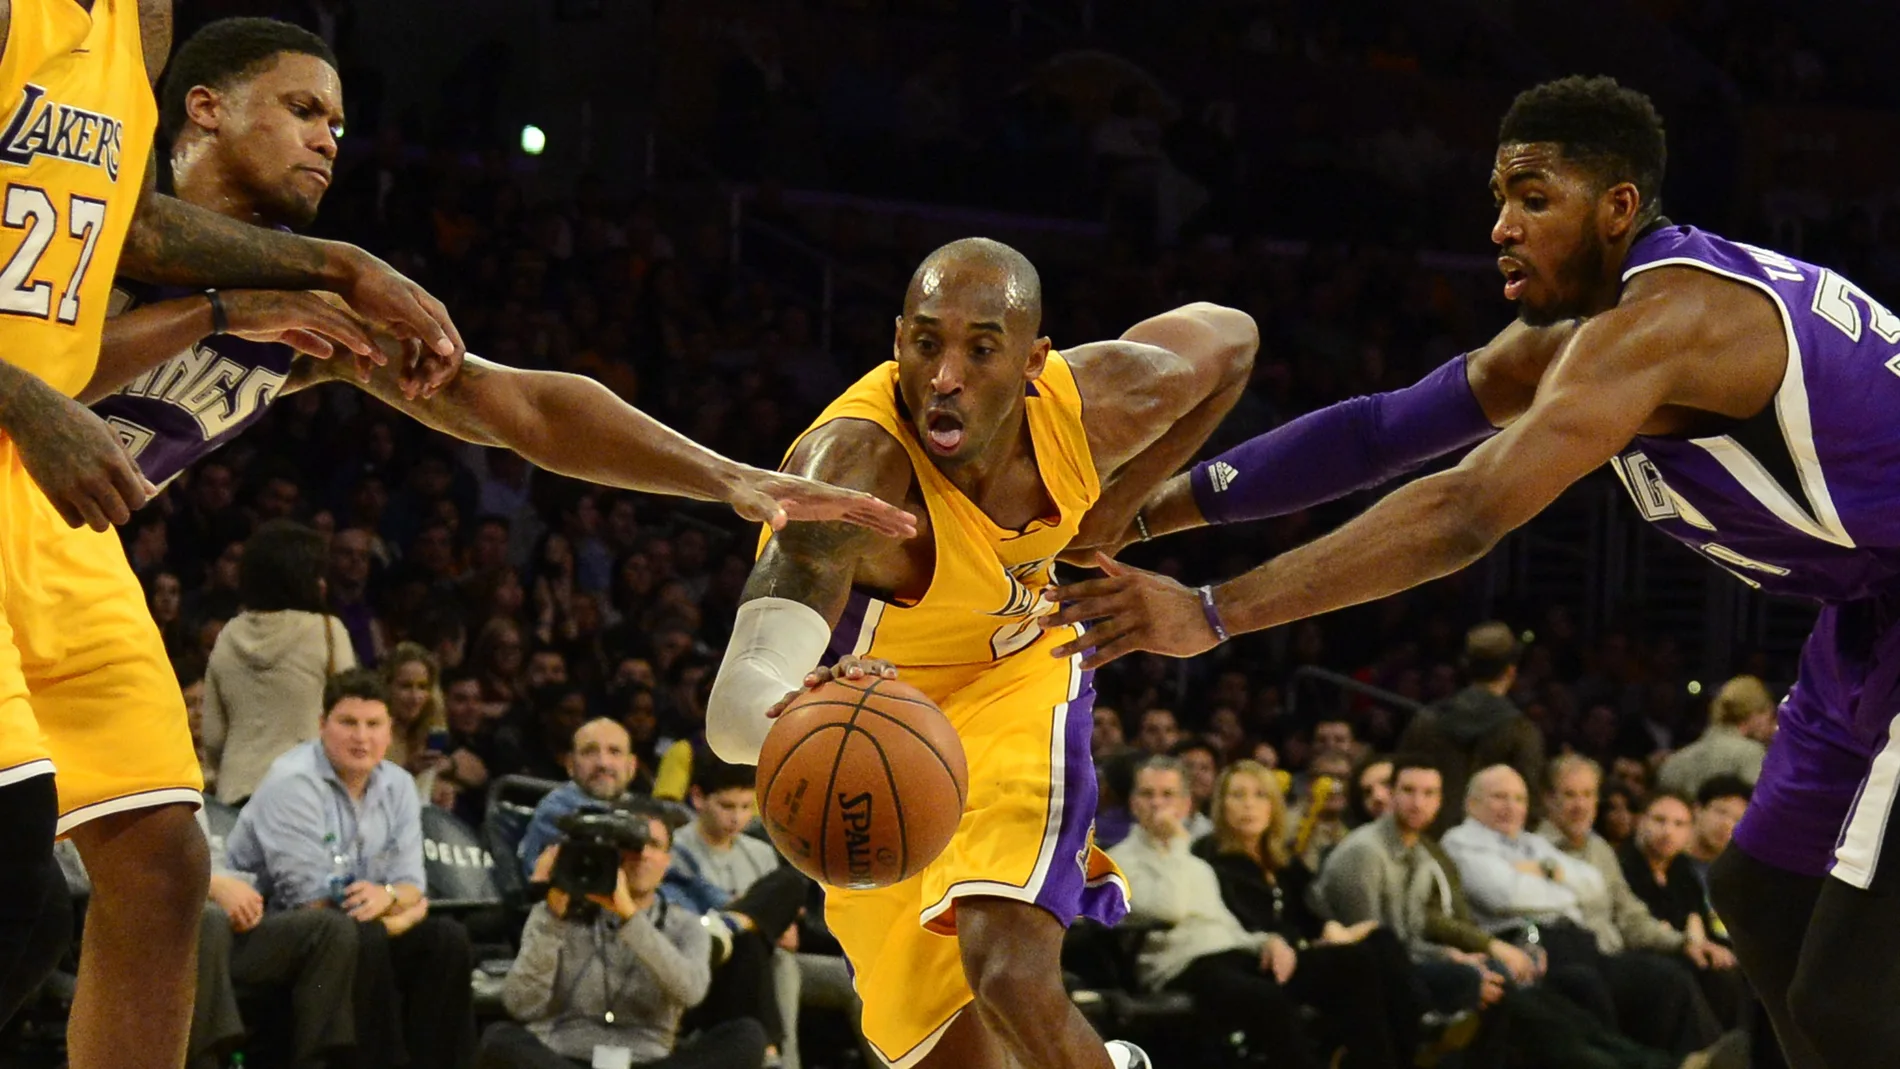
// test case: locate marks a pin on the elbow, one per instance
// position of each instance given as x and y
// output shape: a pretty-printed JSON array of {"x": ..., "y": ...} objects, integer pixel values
[
  {"x": 1239, "y": 341},
  {"x": 729, "y": 732}
]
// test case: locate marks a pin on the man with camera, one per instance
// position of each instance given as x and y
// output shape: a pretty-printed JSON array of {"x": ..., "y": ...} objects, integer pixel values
[
  {"x": 607, "y": 967},
  {"x": 335, "y": 826}
]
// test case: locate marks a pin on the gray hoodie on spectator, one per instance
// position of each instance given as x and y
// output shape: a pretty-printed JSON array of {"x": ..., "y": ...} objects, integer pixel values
[
  {"x": 264, "y": 692},
  {"x": 647, "y": 971}
]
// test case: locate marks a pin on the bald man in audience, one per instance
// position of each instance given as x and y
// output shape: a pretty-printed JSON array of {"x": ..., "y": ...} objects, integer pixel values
[
  {"x": 1523, "y": 888},
  {"x": 603, "y": 767}
]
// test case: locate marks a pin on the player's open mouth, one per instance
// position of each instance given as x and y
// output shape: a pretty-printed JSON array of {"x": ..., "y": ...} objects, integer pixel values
[
  {"x": 943, "y": 431},
  {"x": 1515, "y": 277}
]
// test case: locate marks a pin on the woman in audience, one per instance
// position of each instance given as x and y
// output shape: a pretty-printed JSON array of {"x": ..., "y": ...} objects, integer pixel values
[
  {"x": 415, "y": 714},
  {"x": 264, "y": 681},
  {"x": 1266, "y": 889}
]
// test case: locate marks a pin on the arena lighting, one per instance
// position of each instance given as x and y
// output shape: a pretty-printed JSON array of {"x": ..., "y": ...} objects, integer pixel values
[
  {"x": 533, "y": 140},
  {"x": 1528, "y": 637},
  {"x": 1695, "y": 687}
]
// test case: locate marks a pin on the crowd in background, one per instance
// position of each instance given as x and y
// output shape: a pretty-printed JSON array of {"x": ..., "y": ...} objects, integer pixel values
[{"x": 506, "y": 610}]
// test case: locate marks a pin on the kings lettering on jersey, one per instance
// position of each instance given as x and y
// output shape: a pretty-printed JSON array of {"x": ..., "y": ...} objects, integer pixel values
[
  {"x": 195, "y": 402},
  {"x": 41, "y": 126},
  {"x": 1794, "y": 500}
]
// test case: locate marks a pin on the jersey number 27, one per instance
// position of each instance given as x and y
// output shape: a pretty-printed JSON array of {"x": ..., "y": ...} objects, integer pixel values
[{"x": 29, "y": 208}]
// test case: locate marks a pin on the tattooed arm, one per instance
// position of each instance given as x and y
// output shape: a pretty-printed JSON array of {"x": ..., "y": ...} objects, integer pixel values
[
  {"x": 574, "y": 426},
  {"x": 175, "y": 243},
  {"x": 798, "y": 589}
]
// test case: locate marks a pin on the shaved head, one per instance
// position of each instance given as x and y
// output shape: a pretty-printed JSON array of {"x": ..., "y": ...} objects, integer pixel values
[{"x": 990, "y": 271}]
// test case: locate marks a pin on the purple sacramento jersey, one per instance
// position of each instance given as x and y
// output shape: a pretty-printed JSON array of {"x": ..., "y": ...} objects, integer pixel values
[
  {"x": 183, "y": 409},
  {"x": 1803, "y": 499}
]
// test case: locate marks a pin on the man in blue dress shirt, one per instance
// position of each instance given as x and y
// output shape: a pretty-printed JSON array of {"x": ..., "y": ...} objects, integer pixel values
[{"x": 335, "y": 826}]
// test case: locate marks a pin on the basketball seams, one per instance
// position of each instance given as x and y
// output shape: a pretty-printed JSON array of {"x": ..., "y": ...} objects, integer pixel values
[
  {"x": 849, "y": 724},
  {"x": 897, "y": 803},
  {"x": 786, "y": 759},
  {"x": 931, "y": 748}
]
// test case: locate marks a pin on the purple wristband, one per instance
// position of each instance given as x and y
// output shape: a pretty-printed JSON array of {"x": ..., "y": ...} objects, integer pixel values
[
  {"x": 1213, "y": 615},
  {"x": 1353, "y": 445}
]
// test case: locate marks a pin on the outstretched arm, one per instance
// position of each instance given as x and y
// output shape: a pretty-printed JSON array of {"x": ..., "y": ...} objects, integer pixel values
[
  {"x": 1361, "y": 442},
  {"x": 574, "y": 426},
  {"x": 799, "y": 587},
  {"x": 1617, "y": 371},
  {"x": 1151, "y": 400}
]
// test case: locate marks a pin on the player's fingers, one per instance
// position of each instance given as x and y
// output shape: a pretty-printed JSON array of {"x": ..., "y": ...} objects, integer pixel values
[
  {"x": 1087, "y": 588},
  {"x": 347, "y": 329},
  {"x": 130, "y": 487},
  {"x": 1110, "y": 565},
  {"x": 439, "y": 313},
  {"x": 308, "y": 342},
  {"x": 427, "y": 319},
  {"x": 1112, "y": 651},
  {"x": 106, "y": 499}
]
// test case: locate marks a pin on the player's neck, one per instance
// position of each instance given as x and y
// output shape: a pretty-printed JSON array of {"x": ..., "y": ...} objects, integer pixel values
[{"x": 198, "y": 181}]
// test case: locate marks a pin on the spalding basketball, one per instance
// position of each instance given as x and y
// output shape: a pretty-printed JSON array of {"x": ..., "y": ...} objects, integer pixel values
[{"x": 862, "y": 782}]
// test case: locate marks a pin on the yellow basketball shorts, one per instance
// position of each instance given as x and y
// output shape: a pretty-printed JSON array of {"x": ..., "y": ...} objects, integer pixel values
[
  {"x": 86, "y": 691},
  {"x": 1027, "y": 834}
]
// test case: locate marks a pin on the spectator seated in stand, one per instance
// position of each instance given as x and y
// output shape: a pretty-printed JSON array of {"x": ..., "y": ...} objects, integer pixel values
[
  {"x": 312, "y": 952},
  {"x": 1266, "y": 890},
  {"x": 603, "y": 766},
  {"x": 335, "y": 826},
  {"x": 1241, "y": 981},
  {"x": 1720, "y": 804},
  {"x": 1741, "y": 721},
  {"x": 611, "y": 987},
  {"x": 1524, "y": 888}
]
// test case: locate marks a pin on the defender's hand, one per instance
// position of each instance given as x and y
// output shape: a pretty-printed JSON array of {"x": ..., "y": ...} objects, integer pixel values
[
  {"x": 74, "y": 457},
  {"x": 776, "y": 498},
  {"x": 846, "y": 668},
  {"x": 381, "y": 294},
  {"x": 302, "y": 319},
  {"x": 1132, "y": 610}
]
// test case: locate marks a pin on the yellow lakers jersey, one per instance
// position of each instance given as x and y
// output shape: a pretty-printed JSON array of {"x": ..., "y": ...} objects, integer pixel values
[
  {"x": 985, "y": 594},
  {"x": 77, "y": 131}
]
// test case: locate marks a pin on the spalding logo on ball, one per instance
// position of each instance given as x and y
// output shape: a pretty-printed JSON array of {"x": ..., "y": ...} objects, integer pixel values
[{"x": 862, "y": 782}]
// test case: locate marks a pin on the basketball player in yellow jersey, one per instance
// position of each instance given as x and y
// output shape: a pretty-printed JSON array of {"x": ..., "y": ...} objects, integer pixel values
[
  {"x": 1012, "y": 456},
  {"x": 93, "y": 738}
]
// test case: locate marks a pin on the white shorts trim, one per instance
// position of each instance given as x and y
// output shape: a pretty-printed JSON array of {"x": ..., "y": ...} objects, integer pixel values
[
  {"x": 1052, "y": 833},
  {"x": 39, "y": 766},
  {"x": 924, "y": 1046},
  {"x": 1857, "y": 854},
  {"x": 141, "y": 800}
]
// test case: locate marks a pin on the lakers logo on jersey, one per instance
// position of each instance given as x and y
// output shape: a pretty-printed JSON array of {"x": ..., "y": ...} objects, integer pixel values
[
  {"x": 43, "y": 127},
  {"x": 1024, "y": 604}
]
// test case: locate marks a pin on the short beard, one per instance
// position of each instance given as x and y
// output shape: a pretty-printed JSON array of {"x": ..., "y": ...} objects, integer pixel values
[
  {"x": 289, "y": 210},
  {"x": 1580, "y": 275}
]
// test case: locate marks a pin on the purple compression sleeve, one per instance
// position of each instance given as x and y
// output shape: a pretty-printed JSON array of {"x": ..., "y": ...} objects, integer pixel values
[{"x": 1353, "y": 445}]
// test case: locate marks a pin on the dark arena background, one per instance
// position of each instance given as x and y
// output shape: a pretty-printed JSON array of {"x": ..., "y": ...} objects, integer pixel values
[{"x": 712, "y": 207}]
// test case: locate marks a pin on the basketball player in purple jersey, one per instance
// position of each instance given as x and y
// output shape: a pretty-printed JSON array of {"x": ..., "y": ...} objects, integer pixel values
[
  {"x": 253, "y": 108},
  {"x": 1748, "y": 402}
]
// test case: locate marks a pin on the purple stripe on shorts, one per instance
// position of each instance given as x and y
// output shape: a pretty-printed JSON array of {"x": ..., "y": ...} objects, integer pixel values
[
  {"x": 844, "y": 637},
  {"x": 1065, "y": 891}
]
